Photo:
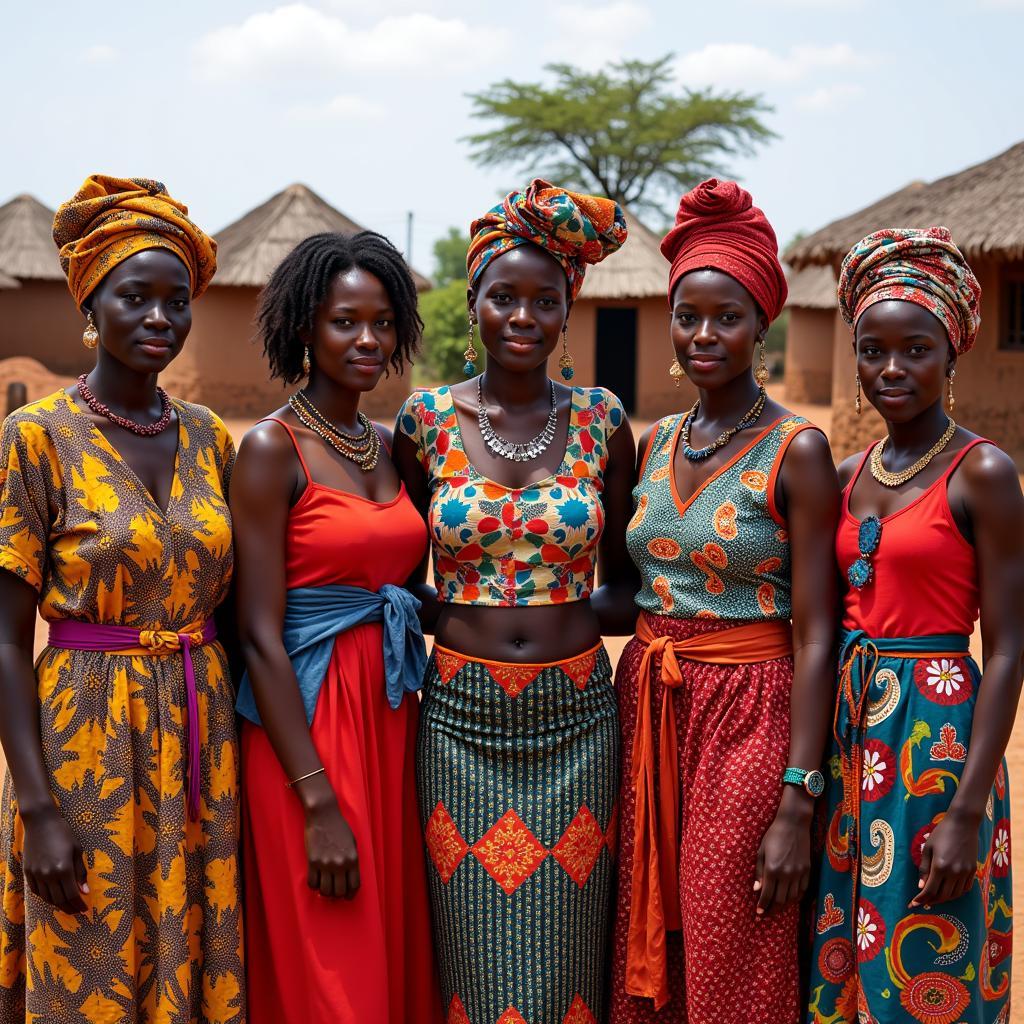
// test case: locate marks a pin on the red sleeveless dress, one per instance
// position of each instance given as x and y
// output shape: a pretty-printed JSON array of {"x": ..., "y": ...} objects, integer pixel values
[{"x": 368, "y": 960}]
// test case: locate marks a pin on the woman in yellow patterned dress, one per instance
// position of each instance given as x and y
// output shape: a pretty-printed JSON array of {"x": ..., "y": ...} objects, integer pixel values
[{"x": 119, "y": 822}]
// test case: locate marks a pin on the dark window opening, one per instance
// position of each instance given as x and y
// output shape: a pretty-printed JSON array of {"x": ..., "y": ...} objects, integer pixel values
[
  {"x": 616, "y": 353},
  {"x": 1011, "y": 336}
]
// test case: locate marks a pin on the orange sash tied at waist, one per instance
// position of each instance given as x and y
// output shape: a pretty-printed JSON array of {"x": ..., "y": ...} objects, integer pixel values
[{"x": 654, "y": 909}]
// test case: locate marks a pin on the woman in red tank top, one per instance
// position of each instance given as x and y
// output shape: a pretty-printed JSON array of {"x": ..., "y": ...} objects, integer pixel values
[
  {"x": 337, "y": 919},
  {"x": 913, "y": 912}
]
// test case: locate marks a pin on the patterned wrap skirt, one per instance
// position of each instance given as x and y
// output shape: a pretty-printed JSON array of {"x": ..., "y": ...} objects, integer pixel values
[
  {"x": 903, "y": 729},
  {"x": 517, "y": 772}
]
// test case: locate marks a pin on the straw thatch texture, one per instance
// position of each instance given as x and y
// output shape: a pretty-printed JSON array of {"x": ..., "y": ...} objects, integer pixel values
[
  {"x": 7, "y": 282},
  {"x": 249, "y": 249},
  {"x": 636, "y": 271},
  {"x": 812, "y": 288},
  {"x": 982, "y": 206},
  {"x": 26, "y": 240}
]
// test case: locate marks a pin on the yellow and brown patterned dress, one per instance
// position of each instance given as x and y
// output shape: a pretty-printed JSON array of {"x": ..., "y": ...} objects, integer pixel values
[{"x": 161, "y": 939}]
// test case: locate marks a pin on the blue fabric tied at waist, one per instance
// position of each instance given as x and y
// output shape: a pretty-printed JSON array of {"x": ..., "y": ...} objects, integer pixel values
[
  {"x": 859, "y": 655},
  {"x": 314, "y": 616}
]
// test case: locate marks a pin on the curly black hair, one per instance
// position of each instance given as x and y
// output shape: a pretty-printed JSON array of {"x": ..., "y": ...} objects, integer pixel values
[{"x": 289, "y": 301}]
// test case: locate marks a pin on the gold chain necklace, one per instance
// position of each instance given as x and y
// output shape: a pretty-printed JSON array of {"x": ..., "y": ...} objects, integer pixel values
[
  {"x": 887, "y": 479},
  {"x": 362, "y": 449}
]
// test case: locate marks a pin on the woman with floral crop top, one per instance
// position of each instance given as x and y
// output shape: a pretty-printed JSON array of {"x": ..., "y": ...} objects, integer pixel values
[
  {"x": 524, "y": 484},
  {"x": 725, "y": 691}
]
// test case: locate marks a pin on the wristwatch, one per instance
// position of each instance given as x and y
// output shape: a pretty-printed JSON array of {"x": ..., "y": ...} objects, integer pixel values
[{"x": 812, "y": 782}]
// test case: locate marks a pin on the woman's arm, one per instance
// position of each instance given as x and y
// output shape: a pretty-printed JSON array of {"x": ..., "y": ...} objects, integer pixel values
[
  {"x": 411, "y": 472},
  {"x": 262, "y": 488},
  {"x": 613, "y": 600},
  {"x": 810, "y": 490},
  {"x": 995, "y": 509},
  {"x": 52, "y": 859}
]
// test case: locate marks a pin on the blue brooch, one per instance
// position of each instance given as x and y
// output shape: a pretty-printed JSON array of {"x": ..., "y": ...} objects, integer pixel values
[{"x": 868, "y": 537}]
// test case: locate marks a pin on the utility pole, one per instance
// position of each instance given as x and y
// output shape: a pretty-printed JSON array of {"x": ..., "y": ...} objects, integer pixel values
[{"x": 408, "y": 238}]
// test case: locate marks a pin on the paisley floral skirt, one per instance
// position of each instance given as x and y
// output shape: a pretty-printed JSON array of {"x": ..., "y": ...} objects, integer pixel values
[
  {"x": 894, "y": 767},
  {"x": 517, "y": 772}
]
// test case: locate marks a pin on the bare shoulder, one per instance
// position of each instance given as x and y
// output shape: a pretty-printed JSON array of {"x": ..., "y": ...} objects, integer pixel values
[
  {"x": 987, "y": 468},
  {"x": 848, "y": 467}
]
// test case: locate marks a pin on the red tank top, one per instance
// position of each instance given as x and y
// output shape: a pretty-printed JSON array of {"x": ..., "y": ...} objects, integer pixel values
[
  {"x": 925, "y": 577},
  {"x": 335, "y": 536}
]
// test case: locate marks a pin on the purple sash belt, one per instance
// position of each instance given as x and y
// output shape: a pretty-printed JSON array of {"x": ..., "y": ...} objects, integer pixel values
[{"x": 75, "y": 635}]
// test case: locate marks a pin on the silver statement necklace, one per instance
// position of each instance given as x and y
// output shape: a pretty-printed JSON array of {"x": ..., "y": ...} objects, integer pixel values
[{"x": 515, "y": 451}]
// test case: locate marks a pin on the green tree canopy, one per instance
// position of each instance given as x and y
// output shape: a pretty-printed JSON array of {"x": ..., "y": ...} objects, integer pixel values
[
  {"x": 450, "y": 257},
  {"x": 626, "y": 132}
]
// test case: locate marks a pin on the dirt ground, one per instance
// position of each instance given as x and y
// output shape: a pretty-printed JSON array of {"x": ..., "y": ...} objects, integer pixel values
[{"x": 821, "y": 415}]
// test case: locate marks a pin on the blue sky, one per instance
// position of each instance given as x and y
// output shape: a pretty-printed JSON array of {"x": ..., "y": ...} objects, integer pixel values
[{"x": 228, "y": 102}]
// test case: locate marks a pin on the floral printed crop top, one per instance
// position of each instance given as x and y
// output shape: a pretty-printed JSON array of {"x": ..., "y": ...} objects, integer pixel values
[{"x": 506, "y": 546}]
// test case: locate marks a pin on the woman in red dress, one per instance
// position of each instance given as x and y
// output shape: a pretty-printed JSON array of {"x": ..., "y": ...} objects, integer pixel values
[{"x": 337, "y": 924}]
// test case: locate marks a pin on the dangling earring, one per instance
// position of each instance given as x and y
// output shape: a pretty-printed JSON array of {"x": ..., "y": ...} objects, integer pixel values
[
  {"x": 306, "y": 365},
  {"x": 676, "y": 372},
  {"x": 470, "y": 354},
  {"x": 949, "y": 390},
  {"x": 90, "y": 336},
  {"x": 565, "y": 362},
  {"x": 857, "y": 402},
  {"x": 761, "y": 374}
]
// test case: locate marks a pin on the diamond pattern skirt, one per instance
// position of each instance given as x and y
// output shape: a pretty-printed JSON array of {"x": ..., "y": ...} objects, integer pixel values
[{"x": 517, "y": 769}]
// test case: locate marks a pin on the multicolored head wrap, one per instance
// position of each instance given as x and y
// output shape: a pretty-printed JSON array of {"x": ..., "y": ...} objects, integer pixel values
[
  {"x": 576, "y": 229},
  {"x": 920, "y": 265},
  {"x": 110, "y": 219},
  {"x": 719, "y": 227}
]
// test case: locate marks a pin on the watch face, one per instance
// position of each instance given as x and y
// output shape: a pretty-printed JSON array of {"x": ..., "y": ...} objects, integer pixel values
[{"x": 815, "y": 783}]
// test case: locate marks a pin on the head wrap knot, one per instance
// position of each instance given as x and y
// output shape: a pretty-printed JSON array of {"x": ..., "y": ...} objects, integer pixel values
[
  {"x": 718, "y": 227},
  {"x": 110, "y": 219},
  {"x": 917, "y": 265},
  {"x": 576, "y": 229}
]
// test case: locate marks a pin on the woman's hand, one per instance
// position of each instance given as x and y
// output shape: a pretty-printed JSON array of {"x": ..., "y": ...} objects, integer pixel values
[
  {"x": 784, "y": 858},
  {"x": 949, "y": 860},
  {"x": 52, "y": 861},
  {"x": 330, "y": 845}
]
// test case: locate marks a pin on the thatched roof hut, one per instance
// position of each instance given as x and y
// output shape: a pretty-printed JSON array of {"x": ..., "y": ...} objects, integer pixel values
[
  {"x": 983, "y": 207},
  {"x": 26, "y": 241},
  {"x": 249, "y": 249},
  {"x": 812, "y": 288},
  {"x": 636, "y": 271}
]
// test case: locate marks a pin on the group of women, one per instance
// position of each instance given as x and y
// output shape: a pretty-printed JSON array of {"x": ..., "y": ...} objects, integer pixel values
[{"x": 790, "y": 802}]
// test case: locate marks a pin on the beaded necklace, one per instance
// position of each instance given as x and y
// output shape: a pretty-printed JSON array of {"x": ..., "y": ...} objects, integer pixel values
[
  {"x": 699, "y": 454},
  {"x": 142, "y": 429},
  {"x": 363, "y": 449}
]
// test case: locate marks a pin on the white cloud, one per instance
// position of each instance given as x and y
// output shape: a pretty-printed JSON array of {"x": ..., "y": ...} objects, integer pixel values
[
  {"x": 100, "y": 53},
  {"x": 299, "y": 38},
  {"x": 597, "y": 33},
  {"x": 345, "y": 107},
  {"x": 1003, "y": 5},
  {"x": 743, "y": 64},
  {"x": 828, "y": 97}
]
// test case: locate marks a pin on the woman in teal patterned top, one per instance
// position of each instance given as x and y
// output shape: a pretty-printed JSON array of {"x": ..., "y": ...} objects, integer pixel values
[{"x": 732, "y": 537}]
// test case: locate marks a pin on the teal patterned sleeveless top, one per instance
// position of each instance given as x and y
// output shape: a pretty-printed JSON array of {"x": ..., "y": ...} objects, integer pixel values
[{"x": 723, "y": 553}]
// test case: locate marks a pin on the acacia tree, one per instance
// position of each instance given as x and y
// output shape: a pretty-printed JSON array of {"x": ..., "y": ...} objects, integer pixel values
[{"x": 627, "y": 132}]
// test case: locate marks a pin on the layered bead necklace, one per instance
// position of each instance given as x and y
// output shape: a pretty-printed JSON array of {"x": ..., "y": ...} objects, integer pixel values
[
  {"x": 142, "y": 429},
  {"x": 363, "y": 449},
  {"x": 516, "y": 451},
  {"x": 700, "y": 454},
  {"x": 889, "y": 479}
]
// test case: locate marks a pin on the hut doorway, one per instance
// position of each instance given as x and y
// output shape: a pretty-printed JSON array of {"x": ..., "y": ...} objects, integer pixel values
[{"x": 616, "y": 353}]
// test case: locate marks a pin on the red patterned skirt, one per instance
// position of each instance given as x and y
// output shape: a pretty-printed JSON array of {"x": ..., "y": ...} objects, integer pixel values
[{"x": 726, "y": 965}]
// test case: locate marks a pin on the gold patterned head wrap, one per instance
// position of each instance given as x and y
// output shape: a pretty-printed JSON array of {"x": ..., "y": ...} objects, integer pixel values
[{"x": 110, "y": 219}]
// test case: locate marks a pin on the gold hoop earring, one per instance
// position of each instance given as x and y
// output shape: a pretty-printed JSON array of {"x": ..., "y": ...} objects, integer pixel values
[
  {"x": 566, "y": 363},
  {"x": 306, "y": 364},
  {"x": 676, "y": 372},
  {"x": 857, "y": 402},
  {"x": 90, "y": 336},
  {"x": 761, "y": 374},
  {"x": 949, "y": 389},
  {"x": 470, "y": 355}
]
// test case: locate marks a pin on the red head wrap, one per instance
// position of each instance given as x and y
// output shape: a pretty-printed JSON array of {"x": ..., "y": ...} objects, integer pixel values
[{"x": 718, "y": 227}]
